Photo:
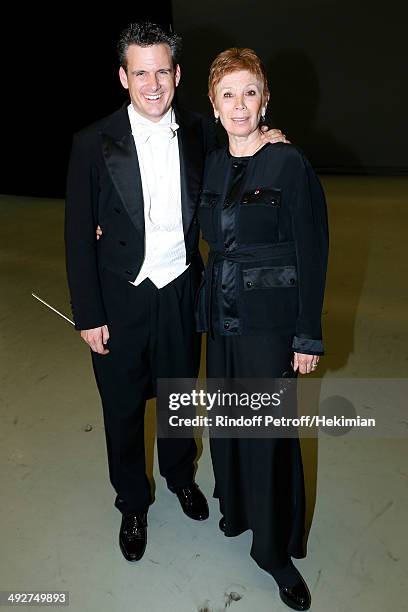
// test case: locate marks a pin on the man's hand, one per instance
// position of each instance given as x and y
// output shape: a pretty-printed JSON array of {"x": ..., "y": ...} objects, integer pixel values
[
  {"x": 96, "y": 338},
  {"x": 273, "y": 135},
  {"x": 305, "y": 363}
]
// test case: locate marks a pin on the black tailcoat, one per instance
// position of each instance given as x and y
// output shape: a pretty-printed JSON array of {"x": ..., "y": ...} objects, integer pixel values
[{"x": 104, "y": 186}]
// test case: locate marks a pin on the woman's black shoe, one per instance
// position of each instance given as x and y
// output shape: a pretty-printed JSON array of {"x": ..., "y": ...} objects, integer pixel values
[
  {"x": 296, "y": 597},
  {"x": 222, "y": 524},
  {"x": 293, "y": 589}
]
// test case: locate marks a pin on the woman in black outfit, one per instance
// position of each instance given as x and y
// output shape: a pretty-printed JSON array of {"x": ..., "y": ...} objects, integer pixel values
[{"x": 263, "y": 214}]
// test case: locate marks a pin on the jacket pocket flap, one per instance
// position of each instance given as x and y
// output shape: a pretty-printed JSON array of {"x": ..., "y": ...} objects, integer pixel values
[
  {"x": 271, "y": 197},
  {"x": 276, "y": 276},
  {"x": 208, "y": 198}
]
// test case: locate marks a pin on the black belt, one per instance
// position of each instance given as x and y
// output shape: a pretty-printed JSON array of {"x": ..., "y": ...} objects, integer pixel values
[{"x": 241, "y": 254}]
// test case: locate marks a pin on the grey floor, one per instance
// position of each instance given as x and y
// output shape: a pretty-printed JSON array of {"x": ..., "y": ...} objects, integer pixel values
[{"x": 58, "y": 525}]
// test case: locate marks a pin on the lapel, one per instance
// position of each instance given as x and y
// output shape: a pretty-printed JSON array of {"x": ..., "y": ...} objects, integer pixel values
[
  {"x": 191, "y": 152},
  {"x": 120, "y": 155}
]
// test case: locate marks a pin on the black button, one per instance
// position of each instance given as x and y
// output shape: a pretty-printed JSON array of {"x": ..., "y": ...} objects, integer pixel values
[
  {"x": 226, "y": 324},
  {"x": 292, "y": 281},
  {"x": 223, "y": 286},
  {"x": 235, "y": 165},
  {"x": 128, "y": 271},
  {"x": 249, "y": 284},
  {"x": 122, "y": 243},
  {"x": 117, "y": 210},
  {"x": 227, "y": 203},
  {"x": 226, "y": 245},
  {"x": 245, "y": 201}
]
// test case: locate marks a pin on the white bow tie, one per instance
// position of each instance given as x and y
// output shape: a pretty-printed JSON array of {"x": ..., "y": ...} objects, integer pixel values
[{"x": 163, "y": 130}]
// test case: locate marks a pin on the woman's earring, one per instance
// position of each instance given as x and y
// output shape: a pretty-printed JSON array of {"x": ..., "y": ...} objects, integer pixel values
[
  {"x": 216, "y": 120},
  {"x": 263, "y": 115}
]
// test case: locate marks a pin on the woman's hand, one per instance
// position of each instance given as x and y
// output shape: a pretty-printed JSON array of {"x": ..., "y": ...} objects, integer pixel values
[
  {"x": 305, "y": 363},
  {"x": 272, "y": 135},
  {"x": 98, "y": 232}
]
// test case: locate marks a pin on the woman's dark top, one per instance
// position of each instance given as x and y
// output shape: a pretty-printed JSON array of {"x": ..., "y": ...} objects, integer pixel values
[{"x": 264, "y": 218}]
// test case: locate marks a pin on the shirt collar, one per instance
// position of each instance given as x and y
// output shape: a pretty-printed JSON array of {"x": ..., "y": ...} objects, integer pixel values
[{"x": 136, "y": 118}]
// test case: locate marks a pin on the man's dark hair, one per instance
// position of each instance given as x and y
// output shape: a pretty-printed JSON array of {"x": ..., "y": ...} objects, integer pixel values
[{"x": 146, "y": 34}]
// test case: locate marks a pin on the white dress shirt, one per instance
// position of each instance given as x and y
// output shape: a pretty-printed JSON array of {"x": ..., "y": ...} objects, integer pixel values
[{"x": 159, "y": 161}]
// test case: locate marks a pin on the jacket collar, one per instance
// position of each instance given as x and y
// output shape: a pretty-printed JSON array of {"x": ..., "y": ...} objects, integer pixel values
[{"x": 120, "y": 155}]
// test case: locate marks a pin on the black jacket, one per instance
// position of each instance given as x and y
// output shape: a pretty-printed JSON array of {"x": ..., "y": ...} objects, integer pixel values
[
  {"x": 265, "y": 220},
  {"x": 104, "y": 186}
]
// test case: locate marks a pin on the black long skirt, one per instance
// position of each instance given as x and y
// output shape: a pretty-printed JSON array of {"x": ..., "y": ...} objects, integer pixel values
[{"x": 259, "y": 481}]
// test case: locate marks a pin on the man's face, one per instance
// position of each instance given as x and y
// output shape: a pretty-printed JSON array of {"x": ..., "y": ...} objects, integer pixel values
[{"x": 151, "y": 79}]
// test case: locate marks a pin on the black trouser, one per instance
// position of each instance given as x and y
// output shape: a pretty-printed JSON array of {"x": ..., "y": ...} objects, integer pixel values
[{"x": 152, "y": 335}]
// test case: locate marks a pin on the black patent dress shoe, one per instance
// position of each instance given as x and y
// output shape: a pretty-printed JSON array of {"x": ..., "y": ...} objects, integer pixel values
[
  {"x": 192, "y": 501},
  {"x": 133, "y": 535},
  {"x": 296, "y": 597},
  {"x": 221, "y": 524}
]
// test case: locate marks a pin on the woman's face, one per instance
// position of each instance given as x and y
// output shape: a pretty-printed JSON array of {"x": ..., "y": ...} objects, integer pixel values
[{"x": 238, "y": 102}]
